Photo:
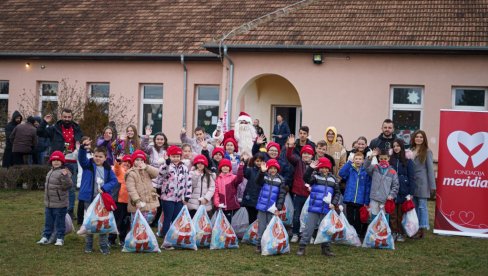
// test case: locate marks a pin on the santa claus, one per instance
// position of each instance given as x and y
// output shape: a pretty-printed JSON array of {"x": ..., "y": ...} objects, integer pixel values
[{"x": 244, "y": 133}]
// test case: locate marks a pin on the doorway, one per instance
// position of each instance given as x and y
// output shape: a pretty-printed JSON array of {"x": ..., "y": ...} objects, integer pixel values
[{"x": 292, "y": 115}]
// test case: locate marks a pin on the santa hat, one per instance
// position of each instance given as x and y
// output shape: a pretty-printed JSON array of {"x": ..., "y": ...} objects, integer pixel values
[
  {"x": 233, "y": 141},
  {"x": 174, "y": 150},
  {"x": 218, "y": 150},
  {"x": 324, "y": 163},
  {"x": 200, "y": 159},
  {"x": 127, "y": 158},
  {"x": 389, "y": 206},
  {"x": 363, "y": 214},
  {"x": 273, "y": 163},
  {"x": 307, "y": 149},
  {"x": 225, "y": 163},
  {"x": 273, "y": 144},
  {"x": 108, "y": 202},
  {"x": 138, "y": 154},
  {"x": 57, "y": 155},
  {"x": 243, "y": 116},
  {"x": 407, "y": 205}
]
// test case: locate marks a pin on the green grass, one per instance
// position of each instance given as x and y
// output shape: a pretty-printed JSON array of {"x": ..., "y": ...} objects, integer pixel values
[{"x": 21, "y": 222}]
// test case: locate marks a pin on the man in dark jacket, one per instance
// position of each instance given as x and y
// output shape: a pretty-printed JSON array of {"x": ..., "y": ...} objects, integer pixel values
[
  {"x": 7, "y": 154},
  {"x": 302, "y": 140},
  {"x": 281, "y": 131},
  {"x": 39, "y": 153},
  {"x": 385, "y": 140},
  {"x": 65, "y": 136},
  {"x": 24, "y": 140}
]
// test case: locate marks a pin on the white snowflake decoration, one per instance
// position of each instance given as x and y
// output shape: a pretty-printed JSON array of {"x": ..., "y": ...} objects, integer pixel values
[{"x": 413, "y": 97}]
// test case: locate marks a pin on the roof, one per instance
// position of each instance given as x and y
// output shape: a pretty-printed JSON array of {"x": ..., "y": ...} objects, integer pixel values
[{"x": 169, "y": 28}]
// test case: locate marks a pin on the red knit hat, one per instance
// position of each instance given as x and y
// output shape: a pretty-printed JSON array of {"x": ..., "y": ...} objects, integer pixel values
[
  {"x": 389, "y": 206},
  {"x": 273, "y": 144},
  {"x": 57, "y": 155},
  {"x": 363, "y": 214},
  {"x": 225, "y": 162},
  {"x": 233, "y": 141},
  {"x": 174, "y": 150},
  {"x": 324, "y": 163},
  {"x": 273, "y": 163},
  {"x": 109, "y": 202},
  {"x": 138, "y": 154},
  {"x": 127, "y": 158},
  {"x": 218, "y": 150},
  {"x": 407, "y": 206},
  {"x": 200, "y": 159},
  {"x": 308, "y": 149}
]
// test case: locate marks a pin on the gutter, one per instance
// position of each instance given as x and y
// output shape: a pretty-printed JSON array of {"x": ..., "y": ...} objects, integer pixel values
[
  {"x": 107, "y": 56},
  {"x": 185, "y": 89},
  {"x": 231, "y": 85},
  {"x": 214, "y": 47}
]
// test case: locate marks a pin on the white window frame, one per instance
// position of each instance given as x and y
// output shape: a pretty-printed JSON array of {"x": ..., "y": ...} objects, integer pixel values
[
  {"x": 99, "y": 99},
  {"x": 204, "y": 102},
  {"x": 408, "y": 107},
  {"x": 467, "y": 107},
  {"x": 148, "y": 101},
  {"x": 47, "y": 98},
  {"x": 5, "y": 97}
]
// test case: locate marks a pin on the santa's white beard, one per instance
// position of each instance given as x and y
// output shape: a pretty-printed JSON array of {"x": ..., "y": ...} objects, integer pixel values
[{"x": 245, "y": 134}]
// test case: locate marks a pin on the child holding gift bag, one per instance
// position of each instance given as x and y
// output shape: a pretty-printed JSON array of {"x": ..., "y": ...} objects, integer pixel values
[
  {"x": 225, "y": 196},
  {"x": 203, "y": 185}
]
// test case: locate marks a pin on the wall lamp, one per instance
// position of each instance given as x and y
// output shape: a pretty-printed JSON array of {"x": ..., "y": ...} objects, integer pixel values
[
  {"x": 317, "y": 58},
  {"x": 27, "y": 65}
]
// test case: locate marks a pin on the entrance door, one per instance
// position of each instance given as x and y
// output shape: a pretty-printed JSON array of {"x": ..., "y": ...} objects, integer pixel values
[{"x": 291, "y": 114}]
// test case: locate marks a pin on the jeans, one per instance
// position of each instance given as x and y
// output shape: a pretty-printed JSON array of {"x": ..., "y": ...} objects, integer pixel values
[
  {"x": 73, "y": 168},
  {"x": 422, "y": 211},
  {"x": 54, "y": 218},
  {"x": 171, "y": 210},
  {"x": 298, "y": 202}
]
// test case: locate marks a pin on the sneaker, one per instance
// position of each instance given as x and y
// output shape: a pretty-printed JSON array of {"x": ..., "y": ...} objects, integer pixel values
[
  {"x": 105, "y": 251},
  {"x": 43, "y": 240},
  {"x": 258, "y": 249},
  {"x": 294, "y": 238},
  {"x": 394, "y": 235},
  {"x": 88, "y": 249},
  {"x": 59, "y": 242},
  {"x": 400, "y": 238}
]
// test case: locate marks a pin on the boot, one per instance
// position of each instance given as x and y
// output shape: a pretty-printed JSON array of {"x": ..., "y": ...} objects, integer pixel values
[
  {"x": 326, "y": 250},
  {"x": 420, "y": 234},
  {"x": 258, "y": 249},
  {"x": 301, "y": 250}
]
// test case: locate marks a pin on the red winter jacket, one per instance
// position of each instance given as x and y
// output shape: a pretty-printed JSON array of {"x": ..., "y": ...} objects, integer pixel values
[
  {"x": 226, "y": 189},
  {"x": 298, "y": 186}
]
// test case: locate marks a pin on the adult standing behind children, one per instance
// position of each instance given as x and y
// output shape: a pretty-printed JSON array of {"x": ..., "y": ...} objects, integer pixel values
[
  {"x": 334, "y": 149},
  {"x": 65, "y": 135},
  {"x": 302, "y": 140},
  {"x": 281, "y": 131},
  {"x": 424, "y": 178},
  {"x": 24, "y": 141},
  {"x": 385, "y": 140},
  {"x": 7, "y": 153},
  {"x": 195, "y": 143}
]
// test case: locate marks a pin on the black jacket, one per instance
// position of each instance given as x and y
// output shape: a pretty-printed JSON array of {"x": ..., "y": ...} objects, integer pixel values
[
  {"x": 382, "y": 143},
  {"x": 55, "y": 134}
]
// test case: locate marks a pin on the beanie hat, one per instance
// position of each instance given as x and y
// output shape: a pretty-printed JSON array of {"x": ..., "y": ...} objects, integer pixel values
[
  {"x": 243, "y": 116},
  {"x": 389, "y": 206},
  {"x": 407, "y": 206},
  {"x": 273, "y": 144},
  {"x": 200, "y": 159},
  {"x": 225, "y": 162},
  {"x": 233, "y": 141},
  {"x": 218, "y": 150},
  {"x": 273, "y": 163},
  {"x": 127, "y": 158},
  {"x": 138, "y": 154},
  {"x": 174, "y": 150},
  {"x": 57, "y": 155},
  {"x": 308, "y": 149},
  {"x": 324, "y": 163}
]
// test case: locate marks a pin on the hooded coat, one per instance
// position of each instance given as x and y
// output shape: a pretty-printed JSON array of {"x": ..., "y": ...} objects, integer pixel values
[
  {"x": 336, "y": 150},
  {"x": 7, "y": 154},
  {"x": 24, "y": 137}
]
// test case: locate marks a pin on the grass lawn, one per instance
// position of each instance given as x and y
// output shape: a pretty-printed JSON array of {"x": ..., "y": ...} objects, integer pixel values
[{"x": 21, "y": 222}]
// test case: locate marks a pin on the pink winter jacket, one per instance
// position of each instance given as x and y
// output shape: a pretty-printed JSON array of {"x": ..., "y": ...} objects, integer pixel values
[
  {"x": 176, "y": 182},
  {"x": 226, "y": 189}
]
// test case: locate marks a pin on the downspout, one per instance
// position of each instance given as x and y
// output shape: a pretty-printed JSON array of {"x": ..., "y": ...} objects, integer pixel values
[
  {"x": 185, "y": 89},
  {"x": 231, "y": 84}
]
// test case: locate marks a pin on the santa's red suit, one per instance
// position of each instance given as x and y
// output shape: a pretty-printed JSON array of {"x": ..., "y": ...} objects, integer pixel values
[
  {"x": 338, "y": 225},
  {"x": 102, "y": 216},
  {"x": 254, "y": 232},
  {"x": 207, "y": 230},
  {"x": 184, "y": 231},
  {"x": 381, "y": 233},
  {"x": 279, "y": 235},
  {"x": 230, "y": 236},
  {"x": 141, "y": 238}
]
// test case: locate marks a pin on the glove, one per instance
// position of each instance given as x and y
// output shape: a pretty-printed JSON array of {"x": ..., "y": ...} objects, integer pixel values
[
  {"x": 141, "y": 204},
  {"x": 408, "y": 197},
  {"x": 273, "y": 208},
  {"x": 328, "y": 198}
]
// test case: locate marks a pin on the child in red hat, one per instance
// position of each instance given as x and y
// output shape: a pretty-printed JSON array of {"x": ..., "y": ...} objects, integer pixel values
[
  {"x": 176, "y": 187},
  {"x": 203, "y": 185},
  {"x": 271, "y": 197},
  {"x": 231, "y": 152},
  {"x": 213, "y": 157},
  {"x": 58, "y": 182},
  {"x": 226, "y": 183}
]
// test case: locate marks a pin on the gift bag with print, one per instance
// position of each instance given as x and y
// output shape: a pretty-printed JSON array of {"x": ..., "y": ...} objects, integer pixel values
[
  {"x": 251, "y": 235},
  {"x": 140, "y": 237},
  {"x": 331, "y": 228},
  {"x": 98, "y": 220},
  {"x": 223, "y": 235},
  {"x": 203, "y": 227},
  {"x": 378, "y": 234},
  {"x": 181, "y": 233},
  {"x": 275, "y": 238}
]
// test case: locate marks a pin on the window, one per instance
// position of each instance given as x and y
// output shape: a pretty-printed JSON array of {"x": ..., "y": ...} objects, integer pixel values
[
  {"x": 207, "y": 107},
  {"x": 406, "y": 110},
  {"x": 152, "y": 107},
  {"x": 3, "y": 103},
  {"x": 470, "y": 98},
  {"x": 49, "y": 98},
  {"x": 100, "y": 92}
]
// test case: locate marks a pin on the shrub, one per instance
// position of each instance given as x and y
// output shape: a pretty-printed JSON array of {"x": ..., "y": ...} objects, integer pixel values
[{"x": 27, "y": 177}]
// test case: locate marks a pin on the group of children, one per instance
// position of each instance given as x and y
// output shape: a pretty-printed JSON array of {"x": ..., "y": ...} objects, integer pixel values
[{"x": 161, "y": 178}]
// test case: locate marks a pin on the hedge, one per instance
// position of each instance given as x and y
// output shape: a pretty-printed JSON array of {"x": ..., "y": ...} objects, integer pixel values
[{"x": 29, "y": 177}]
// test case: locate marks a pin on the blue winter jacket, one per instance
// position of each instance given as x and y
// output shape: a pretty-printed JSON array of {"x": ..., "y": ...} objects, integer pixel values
[
  {"x": 406, "y": 178},
  {"x": 272, "y": 192},
  {"x": 322, "y": 185},
  {"x": 88, "y": 187},
  {"x": 358, "y": 184},
  {"x": 251, "y": 193}
]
